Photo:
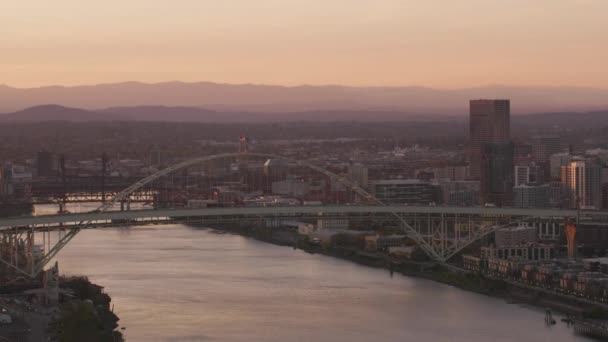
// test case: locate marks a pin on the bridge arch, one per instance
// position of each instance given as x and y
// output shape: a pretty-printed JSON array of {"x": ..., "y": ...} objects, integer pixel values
[
  {"x": 427, "y": 247},
  {"x": 196, "y": 161},
  {"x": 411, "y": 232}
]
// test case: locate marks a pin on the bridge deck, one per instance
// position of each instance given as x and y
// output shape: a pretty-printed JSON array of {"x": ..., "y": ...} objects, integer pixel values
[{"x": 596, "y": 216}]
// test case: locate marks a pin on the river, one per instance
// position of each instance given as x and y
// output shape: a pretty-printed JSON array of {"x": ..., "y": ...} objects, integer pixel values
[
  {"x": 181, "y": 284},
  {"x": 177, "y": 283}
]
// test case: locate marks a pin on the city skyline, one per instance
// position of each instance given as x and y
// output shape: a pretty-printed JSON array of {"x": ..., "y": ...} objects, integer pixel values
[
  {"x": 303, "y": 170},
  {"x": 384, "y": 43}
]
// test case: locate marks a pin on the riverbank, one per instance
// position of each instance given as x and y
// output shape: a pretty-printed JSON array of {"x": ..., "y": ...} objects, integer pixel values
[
  {"x": 82, "y": 314},
  {"x": 85, "y": 315}
]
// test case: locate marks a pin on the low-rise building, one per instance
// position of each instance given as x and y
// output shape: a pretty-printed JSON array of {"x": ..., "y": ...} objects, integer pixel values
[
  {"x": 401, "y": 251},
  {"x": 290, "y": 187},
  {"x": 333, "y": 223},
  {"x": 524, "y": 252},
  {"x": 404, "y": 191},
  {"x": 532, "y": 196},
  {"x": 473, "y": 263},
  {"x": 514, "y": 236},
  {"x": 382, "y": 242},
  {"x": 596, "y": 265}
]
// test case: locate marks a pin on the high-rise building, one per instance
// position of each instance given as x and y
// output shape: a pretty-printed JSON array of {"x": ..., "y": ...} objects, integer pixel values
[
  {"x": 489, "y": 123},
  {"x": 497, "y": 174},
  {"x": 582, "y": 179},
  {"x": 358, "y": 173},
  {"x": 528, "y": 174},
  {"x": 46, "y": 163},
  {"x": 522, "y": 153},
  {"x": 556, "y": 162},
  {"x": 544, "y": 146},
  {"x": 156, "y": 157}
]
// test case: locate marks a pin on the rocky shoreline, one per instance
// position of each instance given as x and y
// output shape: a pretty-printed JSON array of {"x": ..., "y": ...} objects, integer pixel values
[
  {"x": 81, "y": 311},
  {"x": 86, "y": 315}
]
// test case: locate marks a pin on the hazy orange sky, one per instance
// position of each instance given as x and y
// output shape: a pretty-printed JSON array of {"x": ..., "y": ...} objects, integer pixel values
[{"x": 439, "y": 43}]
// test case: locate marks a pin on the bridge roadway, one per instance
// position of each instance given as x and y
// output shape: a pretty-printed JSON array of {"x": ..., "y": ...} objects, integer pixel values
[{"x": 587, "y": 217}]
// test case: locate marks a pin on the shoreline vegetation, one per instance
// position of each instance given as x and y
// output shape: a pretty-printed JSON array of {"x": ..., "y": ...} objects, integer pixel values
[
  {"x": 75, "y": 311},
  {"x": 86, "y": 316}
]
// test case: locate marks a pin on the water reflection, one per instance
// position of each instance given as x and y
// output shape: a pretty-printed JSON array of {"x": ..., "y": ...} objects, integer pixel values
[{"x": 175, "y": 283}]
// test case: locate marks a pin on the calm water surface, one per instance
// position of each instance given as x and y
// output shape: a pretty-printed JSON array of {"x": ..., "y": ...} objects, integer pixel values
[{"x": 176, "y": 283}]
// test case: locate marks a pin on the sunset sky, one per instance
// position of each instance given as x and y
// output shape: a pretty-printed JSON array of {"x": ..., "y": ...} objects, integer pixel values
[{"x": 437, "y": 43}]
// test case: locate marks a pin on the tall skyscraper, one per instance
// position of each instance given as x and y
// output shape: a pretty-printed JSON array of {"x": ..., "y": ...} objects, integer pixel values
[
  {"x": 497, "y": 173},
  {"x": 358, "y": 173},
  {"x": 556, "y": 162},
  {"x": 582, "y": 179},
  {"x": 544, "y": 146},
  {"x": 491, "y": 150},
  {"x": 46, "y": 163},
  {"x": 489, "y": 123}
]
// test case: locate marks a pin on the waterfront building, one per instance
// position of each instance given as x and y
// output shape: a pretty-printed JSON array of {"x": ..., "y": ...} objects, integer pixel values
[
  {"x": 472, "y": 263},
  {"x": 533, "y": 252},
  {"x": 489, "y": 123},
  {"x": 334, "y": 223},
  {"x": 307, "y": 229},
  {"x": 382, "y": 242},
  {"x": 401, "y": 251},
  {"x": 548, "y": 231},
  {"x": 515, "y": 236},
  {"x": 596, "y": 265}
]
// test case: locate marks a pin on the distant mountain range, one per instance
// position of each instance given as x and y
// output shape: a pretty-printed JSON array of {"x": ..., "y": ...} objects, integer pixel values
[
  {"x": 413, "y": 101},
  {"x": 47, "y": 113},
  {"x": 192, "y": 114}
]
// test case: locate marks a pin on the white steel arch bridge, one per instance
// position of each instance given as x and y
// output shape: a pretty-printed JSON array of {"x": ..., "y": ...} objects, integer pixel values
[{"x": 441, "y": 232}]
